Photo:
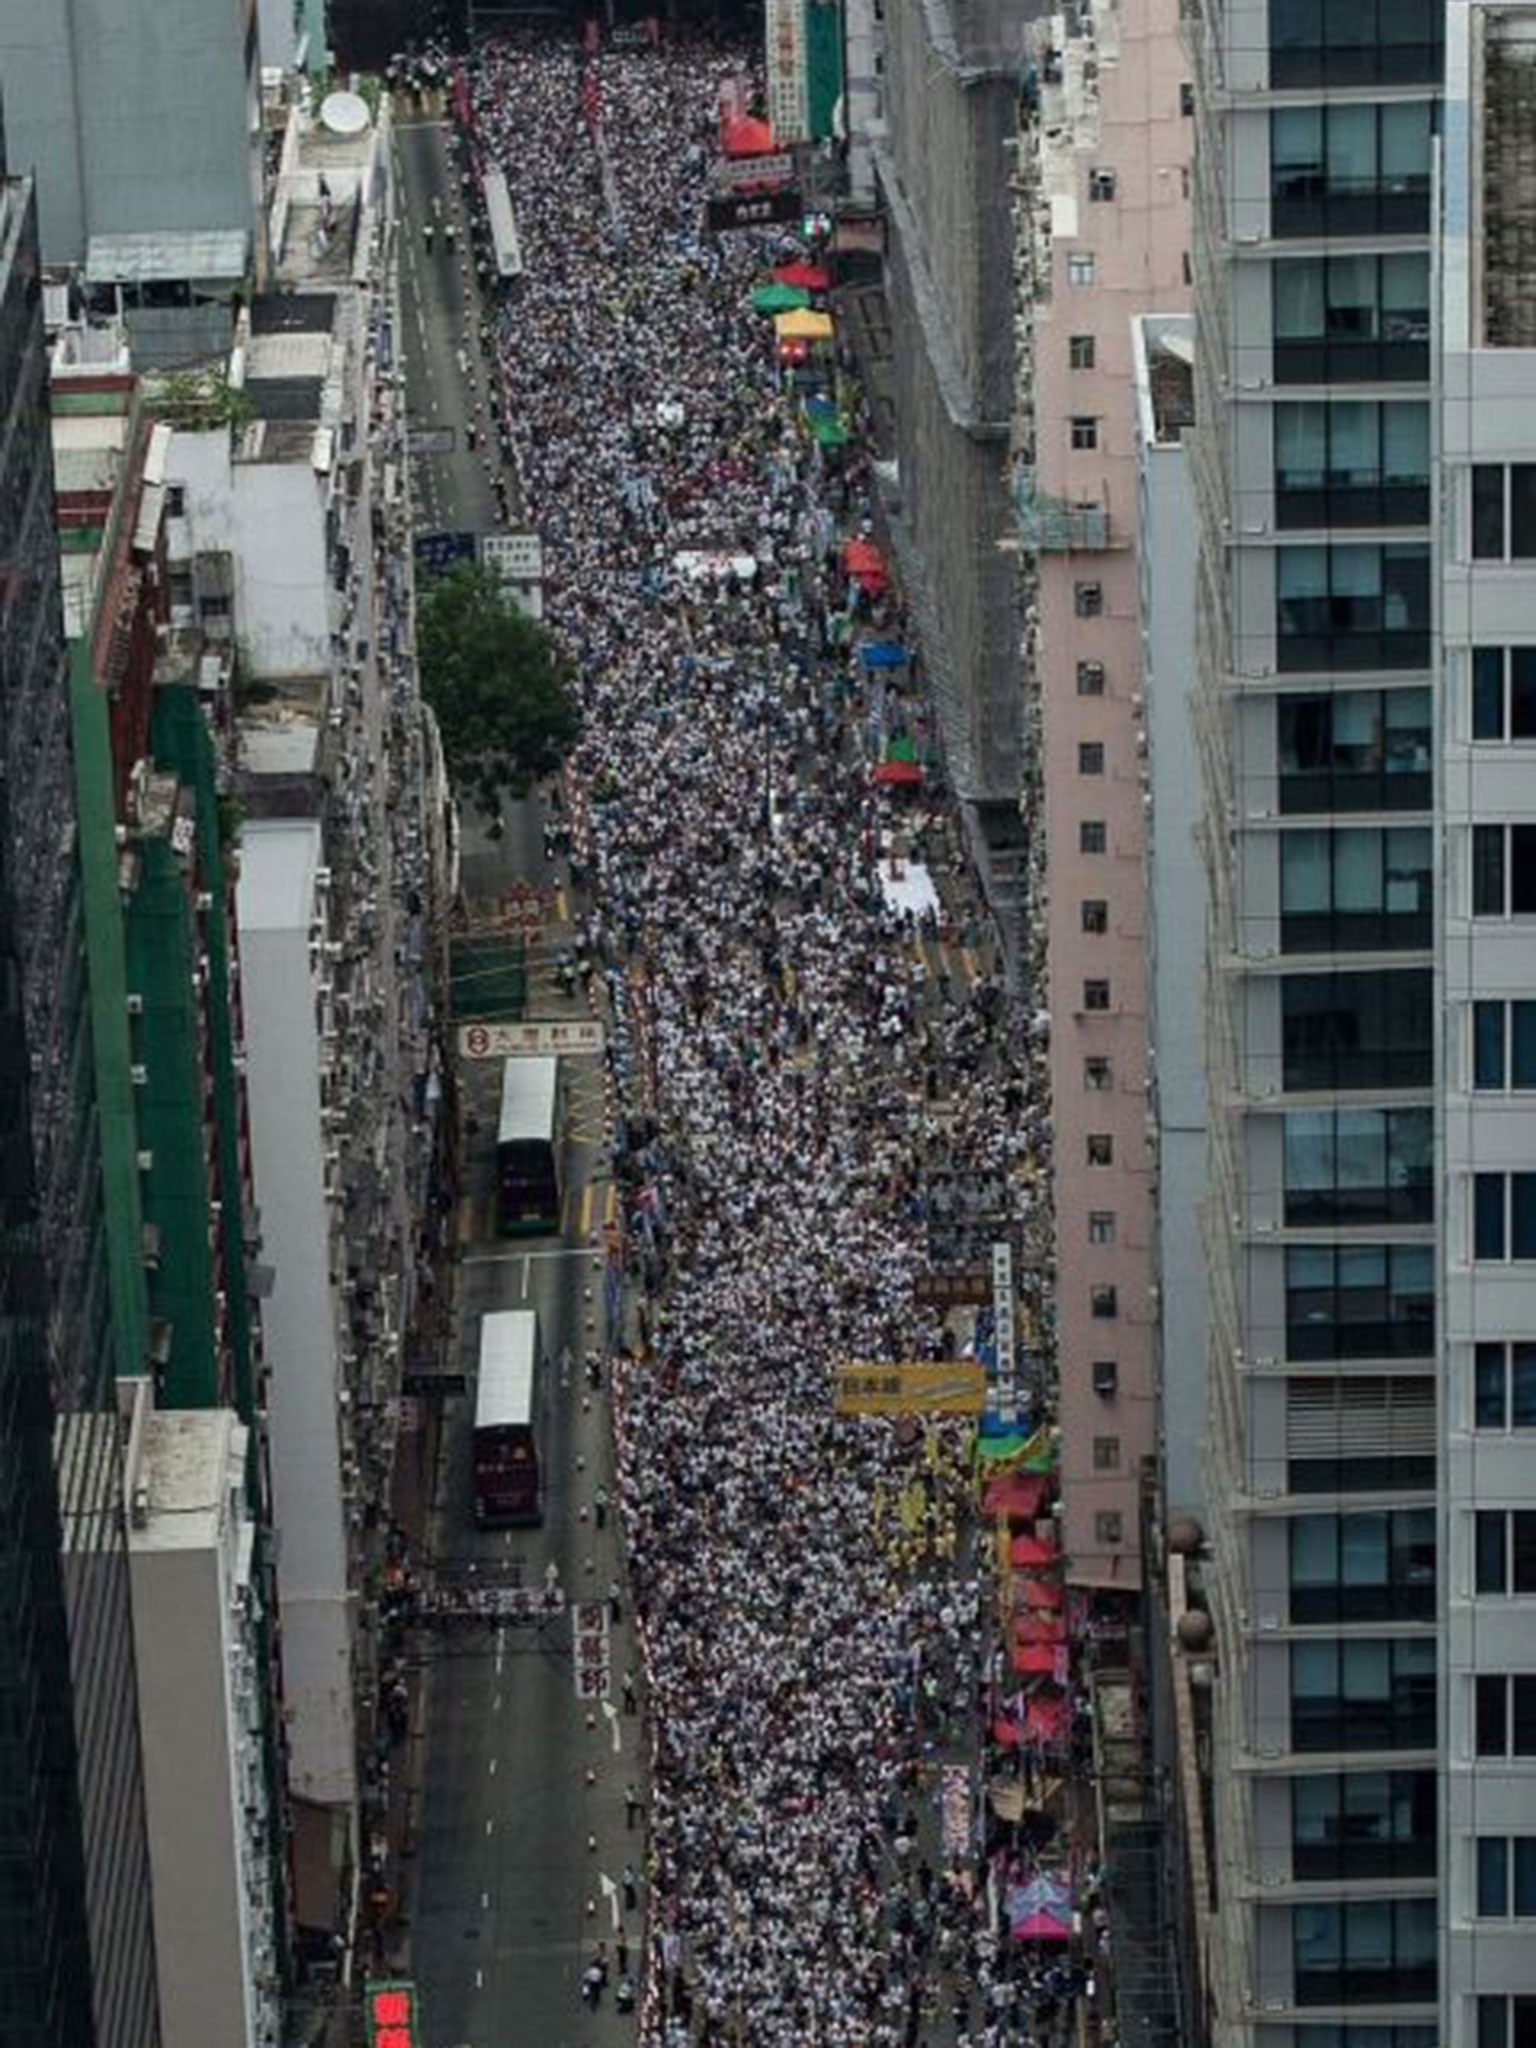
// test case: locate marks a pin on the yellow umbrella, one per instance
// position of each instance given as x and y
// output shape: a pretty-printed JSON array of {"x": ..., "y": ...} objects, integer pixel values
[{"x": 803, "y": 325}]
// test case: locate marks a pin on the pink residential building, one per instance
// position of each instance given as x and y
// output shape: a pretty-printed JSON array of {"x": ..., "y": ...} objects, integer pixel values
[{"x": 1103, "y": 235}]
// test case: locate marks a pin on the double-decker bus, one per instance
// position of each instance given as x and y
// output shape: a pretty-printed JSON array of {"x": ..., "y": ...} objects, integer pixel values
[
  {"x": 528, "y": 1148},
  {"x": 508, "y": 1412}
]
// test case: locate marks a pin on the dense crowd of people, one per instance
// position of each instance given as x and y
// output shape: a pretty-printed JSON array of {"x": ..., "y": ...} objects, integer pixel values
[{"x": 809, "y": 1660}]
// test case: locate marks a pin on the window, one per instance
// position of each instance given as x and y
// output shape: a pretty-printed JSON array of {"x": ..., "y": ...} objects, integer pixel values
[
  {"x": 1103, "y": 1304},
  {"x": 1503, "y": 511},
  {"x": 1359, "y": 1433},
  {"x": 1504, "y": 1550},
  {"x": 1085, "y": 430},
  {"x": 1187, "y": 100},
  {"x": 1105, "y": 1373},
  {"x": 1363, "y": 1824},
  {"x": 1101, "y": 1226},
  {"x": 1503, "y": 870},
  {"x": 1353, "y": 606},
  {"x": 1378, "y": 1566},
  {"x": 1358, "y": 889},
  {"x": 1361, "y": 1301},
  {"x": 1095, "y": 915},
  {"x": 1091, "y": 836},
  {"x": 1506, "y": 1877},
  {"x": 1101, "y": 1149},
  {"x": 1080, "y": 351},
  {"x": 1080, "y": 266},
  {"x": 1090, "y": 757},
  {"x": 1504, "y": 1714},
  {"x": 1504, "y": 1044},
  {"x": 1505, "y": 2022},
  {"x": 1504, "y": 1215},
  {"x": 1503, "y": 693},
  {"x": 1088, "y": 600},
  {"x": 1101, "y": 184},
  {"x": 1372, "y": 1693},
  {"x": 1352, "y": 462},
  {"x": 216, "y": 606},
  {"x": 1350, "y": 168},
  {"x": 1090, "y": 679},
  {"x": 1351, "y": 319},
  {"x": 1364, "y": 42},
  {"x": 1108, "y": 1526},
  {"x": 1098, "y": 1076},
  {"x": 1504, "y": 1386},
  {"x": 1364, "y": 1951},
  {"x": 175, "y": 501},
  {"x": 1372, "y": 1030},
  {"x": 1359, "y": 1166},
  {"x": 1095, "y": 995},
  {"x": 1106, "y": 1454}
]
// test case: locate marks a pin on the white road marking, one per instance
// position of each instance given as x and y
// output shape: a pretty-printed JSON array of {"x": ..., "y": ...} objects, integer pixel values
[
  {"x": 490, "y": 1827},
  {"x": 496, "y": 1704},
  {"x": 527, "y": 1271},
  {"x": 612, "y": 1713},
  {"x": 479, "y": 1980},
  {"x": 485, "y": 1900},
  {"x": 493, "y": 1767},
  {"x": 610, "y": 1892}
]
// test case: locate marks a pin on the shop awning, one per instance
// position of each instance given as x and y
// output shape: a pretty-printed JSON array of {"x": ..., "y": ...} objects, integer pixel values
[
  {"x": 812, "y": 276},
  {"x": 804, "y": 325}
]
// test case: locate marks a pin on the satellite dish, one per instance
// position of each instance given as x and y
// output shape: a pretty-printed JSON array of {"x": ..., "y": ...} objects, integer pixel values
[{"x": 344, "y": 113}]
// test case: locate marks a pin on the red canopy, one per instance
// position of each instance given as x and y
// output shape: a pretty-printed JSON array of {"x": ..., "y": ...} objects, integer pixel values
[
  {"x": 793, "y": 351},
  {"x": 745, "y": 135},
  {"x": 1045, "y": 1719},
  {"x": 1026, "y": 1550},
  {"x": 863, "y": 558},
  {"x": 891, "y": 774},
  {"x": 1005, "y": 1733},
  {"x": 1038, "y": 1657},
  {"x": 810, "y": 277},
  {"x": 1040, "y": 1628},
  {"x": 1036, "y": 1593},
  {"x": 1015, "y": 1494}
]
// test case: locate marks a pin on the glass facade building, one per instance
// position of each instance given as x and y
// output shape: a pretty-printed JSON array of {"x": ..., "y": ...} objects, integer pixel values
[{"x": 76, "y": 1947}]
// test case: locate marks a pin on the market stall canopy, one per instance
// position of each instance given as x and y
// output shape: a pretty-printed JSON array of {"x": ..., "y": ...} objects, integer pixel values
[
  {"x": 830, "y": 433},
  {"x": 1038, "y": 1659},
  {"x": 745, "y": 135},
  {"x": 882, "y": 654},
  {"x": 1041, "y": 1927},
  {"x": 1046, "y": 1720},
  {"x": 804, "y": 325},
  {"x": 863, "y": 558},
  {"x": 1038, "y": 1593},
  {"x": 1040, "y": 1628},
  {"x": 896, "y": 774},
  {"x": 811, "y": 276},
  {"x": 778, "y": 298},
  {"x": 1027, "y": 1550}
]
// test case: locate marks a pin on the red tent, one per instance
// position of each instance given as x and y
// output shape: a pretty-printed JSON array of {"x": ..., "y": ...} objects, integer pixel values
[
  {"x": 810, "y": 277},
  {"x": 1036, "y": 1593},
  {"x": 745, "y": 135},
  {"x": 863, "y": 558},
  {"x": 1005, "y": 1733},
  {"x": 1045, "y": 1719},
  {"x": 1017, "y": 1495},
  {"x": 1034, "y": 1657},
  {"x": 894, "y": 774},
  {"x": 1032, "y": 1550},
  {"x": 1040, "y": 1628}
]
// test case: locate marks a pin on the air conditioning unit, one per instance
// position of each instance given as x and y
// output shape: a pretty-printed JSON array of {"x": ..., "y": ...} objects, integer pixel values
[
  {"x": 135, "y": 1006},
  {"x": 139, "y": 1075},
  {"x": 145, "y": 1162}
]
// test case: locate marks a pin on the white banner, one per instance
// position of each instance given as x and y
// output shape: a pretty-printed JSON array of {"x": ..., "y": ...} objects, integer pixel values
[
  {"x": 535, "y": 1038},
  {"x": 732, "y": 173}
]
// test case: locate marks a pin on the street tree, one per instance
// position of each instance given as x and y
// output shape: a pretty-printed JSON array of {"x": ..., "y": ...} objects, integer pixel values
[{"x": 498, "y": 683}]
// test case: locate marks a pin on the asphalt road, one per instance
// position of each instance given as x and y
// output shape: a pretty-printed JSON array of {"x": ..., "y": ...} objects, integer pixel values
[{"x": 507, "y": 1898}]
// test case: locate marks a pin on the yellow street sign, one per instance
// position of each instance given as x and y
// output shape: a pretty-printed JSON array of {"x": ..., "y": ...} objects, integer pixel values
[{"x": 911, "y": 1387}]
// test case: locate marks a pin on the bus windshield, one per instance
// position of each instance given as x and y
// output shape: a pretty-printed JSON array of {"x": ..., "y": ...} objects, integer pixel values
[
  {"x": 508, "y": 1390},
  {"x": 528, "y": 1148}
]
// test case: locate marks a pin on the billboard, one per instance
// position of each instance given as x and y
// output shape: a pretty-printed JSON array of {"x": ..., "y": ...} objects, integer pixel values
[
  {"x": 751, "y": 210},
  {"x": 784, "y": 24},
  {"x": 390, "y": 2013}
]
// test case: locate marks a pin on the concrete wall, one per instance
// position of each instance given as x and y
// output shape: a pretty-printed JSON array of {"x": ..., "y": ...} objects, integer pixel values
[
  {"x": 137, "y": 113},
  {"x": 276, "y": 903}
]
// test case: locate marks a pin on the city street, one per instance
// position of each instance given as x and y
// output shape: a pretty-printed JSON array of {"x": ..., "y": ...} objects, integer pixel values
[{"x": 507, "y": 1899}]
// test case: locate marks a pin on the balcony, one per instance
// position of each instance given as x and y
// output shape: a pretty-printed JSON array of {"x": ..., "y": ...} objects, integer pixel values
[{"x": 1057, "y": 526}]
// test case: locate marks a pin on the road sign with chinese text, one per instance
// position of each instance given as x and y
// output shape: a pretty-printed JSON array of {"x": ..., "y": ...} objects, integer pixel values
[
  {"x": 390, "y": 2013},
  {"x": 535, "y": 1038}
]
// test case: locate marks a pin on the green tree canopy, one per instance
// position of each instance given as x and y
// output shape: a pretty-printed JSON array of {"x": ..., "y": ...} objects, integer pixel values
[{"x": 497, "y": 682}]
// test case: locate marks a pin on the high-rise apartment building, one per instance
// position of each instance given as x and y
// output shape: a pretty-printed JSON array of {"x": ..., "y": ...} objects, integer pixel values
[
  {"x": 1102, "y": 229},
  {"x": 1331, "y": 1235},
  {"x": 77, "y": 1966}
]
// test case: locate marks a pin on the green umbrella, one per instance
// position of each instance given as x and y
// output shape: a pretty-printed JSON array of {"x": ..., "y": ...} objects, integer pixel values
[
  {"x": 830, "y": 433},
  {"x": 779, "y": 298}
]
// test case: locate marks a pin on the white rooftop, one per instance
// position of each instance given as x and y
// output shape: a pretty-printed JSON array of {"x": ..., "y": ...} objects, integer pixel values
[
  {"x": 143, "y": 258},
  {"x": 278, "y": 859},
  {"x": 187, "y": 1461}
]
